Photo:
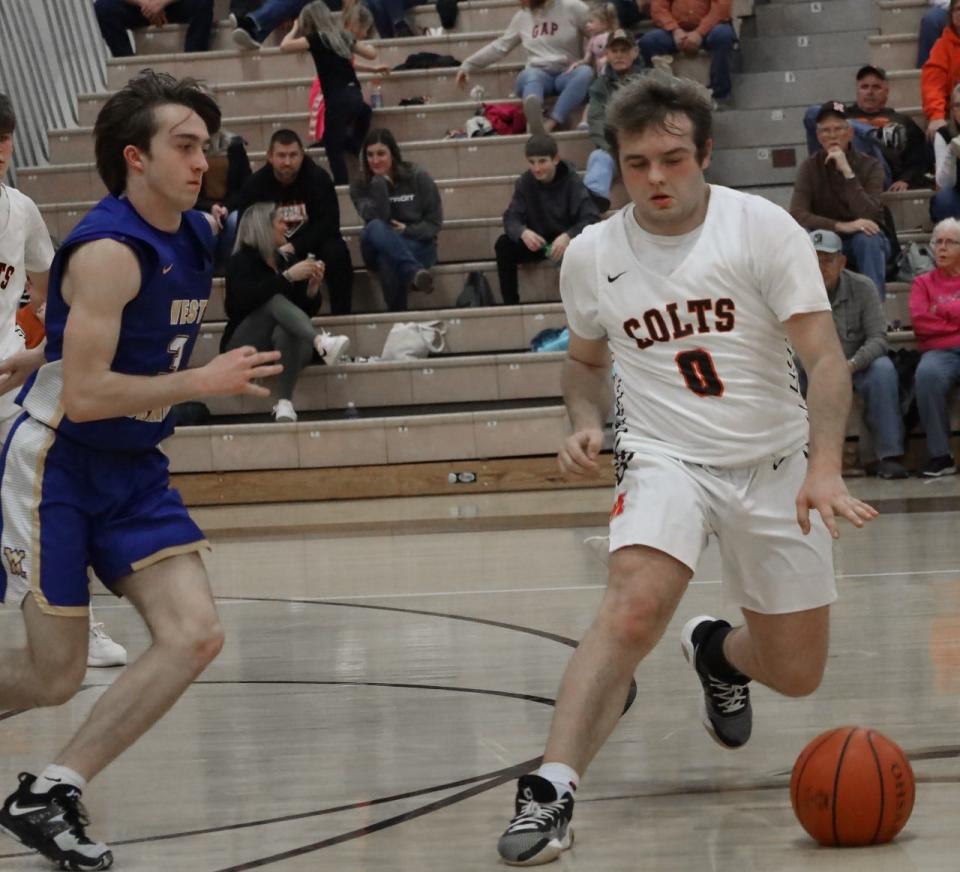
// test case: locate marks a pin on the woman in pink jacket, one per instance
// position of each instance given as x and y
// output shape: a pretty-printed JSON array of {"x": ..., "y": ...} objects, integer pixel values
[{"x": 935, "y": 311}]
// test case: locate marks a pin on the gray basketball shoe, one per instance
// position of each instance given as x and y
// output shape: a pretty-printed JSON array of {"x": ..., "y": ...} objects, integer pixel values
[{"x": 540, "y": 830}]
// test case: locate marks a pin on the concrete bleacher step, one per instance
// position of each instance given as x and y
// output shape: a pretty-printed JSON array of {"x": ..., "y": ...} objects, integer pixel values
[
  {"x": 812, "y": 17},
  {"x": 236, "y": 65},
  {"x": 901, "y": 16},
  {"x": 904, "y": 87},
  {"x": 496, "y": 329},
  {"x": 509, "y": 431},
  {"x": 894, "y": 51},
  {"x": 793, "y": 87},
  {"x": 804, "y": 52},
  {"x": 473, "y": 16}
]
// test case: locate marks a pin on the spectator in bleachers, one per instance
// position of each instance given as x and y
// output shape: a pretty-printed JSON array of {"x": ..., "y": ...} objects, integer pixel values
[
  {"x": 946, "y": 148},
  {"x": 862, "y": 328},
  {"x": 931, "y": 28},
  {"x": 400, "y": 206},
  {"x": 838, "y": 189},
  {"x": 935, "y": 311},
  {"x": 550, "y": 207},
  {"x": 688, "y": 26},
  {"x": 880, "y": 131},
  {"x": 255, "y": 24},
  {"x": 269, "y": 306},
  {"x": 552, "y": 33},
  {"x": 347, "y": 116},
  {"x": 116, "y": 17},
  {"x": 623, "y": 61},
  {"x": 941, "y": 72},
  {"x": 228, "y": 168},
  {"x": 307, "y": 203}
]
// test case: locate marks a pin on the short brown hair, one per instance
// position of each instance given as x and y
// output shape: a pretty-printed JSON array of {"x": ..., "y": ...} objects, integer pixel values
[
  {"x": 128, "y": 118},
  {"x": 648, "y": 100},
  {"x": 8, "y": 118}
]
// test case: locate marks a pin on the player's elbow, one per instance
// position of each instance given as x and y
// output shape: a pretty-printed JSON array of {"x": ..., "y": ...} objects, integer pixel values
[{"x": 77, "y": 407}]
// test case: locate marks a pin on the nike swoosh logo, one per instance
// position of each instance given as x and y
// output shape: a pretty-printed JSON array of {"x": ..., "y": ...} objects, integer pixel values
[
  {"x": 16, "y": 809},
  {"x": 167, "y": 269},
  {"x": 611, "y": 278}
]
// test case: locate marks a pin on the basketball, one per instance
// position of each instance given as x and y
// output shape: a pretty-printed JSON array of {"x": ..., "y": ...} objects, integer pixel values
[{"x": 852, "y": 786}]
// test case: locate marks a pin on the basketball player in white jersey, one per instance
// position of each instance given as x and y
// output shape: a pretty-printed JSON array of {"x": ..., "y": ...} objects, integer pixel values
[
  {"x": 26, "y": 251},
  {"x": 699, "y": 293}
]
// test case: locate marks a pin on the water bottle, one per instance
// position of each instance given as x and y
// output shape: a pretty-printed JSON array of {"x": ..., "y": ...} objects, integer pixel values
[
  {"x": 376, "y": 95},
  {"x": 476, "y": 93}
]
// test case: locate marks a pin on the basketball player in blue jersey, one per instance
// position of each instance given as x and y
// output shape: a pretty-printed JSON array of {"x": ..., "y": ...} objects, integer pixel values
[{"x": 83, "y": 481}]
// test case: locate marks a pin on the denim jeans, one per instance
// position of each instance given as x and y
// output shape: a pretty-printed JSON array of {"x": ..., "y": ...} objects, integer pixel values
[
  {"x": 937, "y": 374},
  {"x": 116, "y": 17},
  {"x": 601, "y": 170},
  {"x": 945, "y": 204},
  {"x": 931, "y": 26},
  {"x": 272, "y": 13},
  {"x": 868, "y": 255},
  {"x": 719, "y": 42},
  {"x": 395, "y": 259},
  {"x": 878, "y": 387},
  {"x": 388, "y": 13},
  {"x": 571, "y": 88}
]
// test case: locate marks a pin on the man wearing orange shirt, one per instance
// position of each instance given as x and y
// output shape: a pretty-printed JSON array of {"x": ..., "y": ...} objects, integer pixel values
[{"x": 689, "y": 25}]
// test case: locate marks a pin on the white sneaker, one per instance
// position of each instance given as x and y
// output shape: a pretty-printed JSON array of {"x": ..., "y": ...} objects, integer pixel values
[
  {"x": 283, "y": 411},
  {"x": 102, "y": 650},
  {"x": 331, "y": 348}
]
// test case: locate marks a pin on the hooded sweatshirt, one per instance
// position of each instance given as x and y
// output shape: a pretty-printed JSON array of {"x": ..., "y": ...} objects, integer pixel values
[
  {"x": 412, "y": 199},
  {"x": 939, "y": 74},
  {"x": 551, "y": 34},
  {"x": 562, "y": 205}
]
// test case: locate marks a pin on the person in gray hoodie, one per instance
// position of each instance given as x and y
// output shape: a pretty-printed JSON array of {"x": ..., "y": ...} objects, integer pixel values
[
  {"x": 400, "y": 204},
  {"x": 550, "y": 206},
  {"x": 623, "y": 61}
]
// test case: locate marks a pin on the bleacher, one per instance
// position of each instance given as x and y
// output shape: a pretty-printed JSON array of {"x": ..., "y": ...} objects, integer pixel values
[{"x": 487, "y": 399}]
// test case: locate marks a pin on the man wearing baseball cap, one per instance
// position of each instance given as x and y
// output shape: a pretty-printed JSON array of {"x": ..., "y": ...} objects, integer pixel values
[
  {"x": 623, "y": 61},
  {"x": 861, "y": 326},
  {"x": 882, "y": 132},
  {"x": 839, "y": 189}
]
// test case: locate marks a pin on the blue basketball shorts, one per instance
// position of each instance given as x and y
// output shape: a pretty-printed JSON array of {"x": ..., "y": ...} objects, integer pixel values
[{"x": 66, "y": 507}]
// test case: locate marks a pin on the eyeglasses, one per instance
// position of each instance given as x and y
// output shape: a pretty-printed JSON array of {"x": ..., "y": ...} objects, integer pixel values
[
  {"x": 950, "y": 243},
  {"x": 832, "y": 131}
]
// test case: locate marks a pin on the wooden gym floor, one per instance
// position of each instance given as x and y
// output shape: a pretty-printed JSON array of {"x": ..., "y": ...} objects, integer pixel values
[{"x": 381, "y": 689}]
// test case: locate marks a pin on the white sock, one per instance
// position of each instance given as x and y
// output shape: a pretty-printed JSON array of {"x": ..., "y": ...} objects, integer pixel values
[
  {"x": 561, "y": 776},
  {"x": 54, "y": 775}
]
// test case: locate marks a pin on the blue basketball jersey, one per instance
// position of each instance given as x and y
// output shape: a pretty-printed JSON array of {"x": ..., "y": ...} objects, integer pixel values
[{"x": 158, "y": 329}]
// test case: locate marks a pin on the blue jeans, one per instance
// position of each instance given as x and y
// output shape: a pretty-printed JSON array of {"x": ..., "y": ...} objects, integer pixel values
[
  {"x": 601, "y": 169},
  {"x": 864, "y": 141},
  {"x": 878, "y": 387},
  {"x": 937, "y": 374},
  {"x": 571, "y": 88},
  {"x": 388, "y": 13},
  {"x": 116, "y": 17},
  {"x": 931, "y": 26},
  {"x": 225, "y": 241},
  {"x": 719, "y": 42},
  {"x": 272, "y": 13},
  {"x": 945, "y": 204},
  {"x": 395, "y": 259},
  {"x": 868, "y": 255}
]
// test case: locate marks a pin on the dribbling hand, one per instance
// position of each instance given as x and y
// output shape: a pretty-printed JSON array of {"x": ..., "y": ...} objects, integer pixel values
[
  {"x": 234, "y": 372},
  {"x": 830, "y": 497},
  {"x": 580, "y": 451}
]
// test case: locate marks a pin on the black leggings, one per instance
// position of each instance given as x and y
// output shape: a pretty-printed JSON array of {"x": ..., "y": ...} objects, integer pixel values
[{"x": 345, "y": 126}]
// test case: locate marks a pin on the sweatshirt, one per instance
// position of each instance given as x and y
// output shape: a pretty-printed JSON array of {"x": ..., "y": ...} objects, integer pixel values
[
  {"x": 939, "y": 74},
  {"x": 935, "y": 310},
  {"x": 698, "y": 15},
  {"x": 308, "y": 204},
  {"x": 602, "y": 89},
  {"x": 551, "y": 36},
  {"x": 560, "y": 206},
  {"x": 412, "y": 199},
  {"x": 822, "y": 197}
]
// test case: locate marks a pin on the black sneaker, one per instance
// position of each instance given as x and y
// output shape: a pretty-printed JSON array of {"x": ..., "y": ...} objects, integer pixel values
[
  {"x": 891, "y": 469},
  {"x": 540, "y": 830},
  {"x": 726, "y": 711},
  {"x": 53, "y": 824},
  {"x": 937, "y": 466},
  {"x": 245, "y": 34}
]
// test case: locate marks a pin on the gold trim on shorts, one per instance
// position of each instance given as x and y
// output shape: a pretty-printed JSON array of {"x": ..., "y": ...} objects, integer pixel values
[{"x": 172, "y": 551}]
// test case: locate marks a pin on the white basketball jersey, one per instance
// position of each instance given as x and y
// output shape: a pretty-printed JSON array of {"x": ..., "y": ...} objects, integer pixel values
[
  {"x": 24, "y": 245},
  {"x": 703, "y": 368}
]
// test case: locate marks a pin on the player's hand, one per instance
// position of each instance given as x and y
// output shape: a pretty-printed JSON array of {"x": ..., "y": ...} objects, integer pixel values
[
  {"x": 16, "y": 369},
  {"x": 580, "y": 451},
  {"x": 534, "y": 241},
  {"x": 830, "y": 497},
  {"x": 558, "y": 247},
  {"x": 234, "y": 372}
]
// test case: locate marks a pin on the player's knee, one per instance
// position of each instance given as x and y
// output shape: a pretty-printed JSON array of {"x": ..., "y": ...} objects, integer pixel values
[
  {"x": 58, "y": 688},
  {"x": 207, "y": 643},
  {"x": 636, "y": 618},
  {"x": 196, "y": 642},
  {"x": 799, "y": 679}
]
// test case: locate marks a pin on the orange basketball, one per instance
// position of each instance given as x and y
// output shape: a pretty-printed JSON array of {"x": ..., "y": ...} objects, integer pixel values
[{"x": 852, "y": 786}]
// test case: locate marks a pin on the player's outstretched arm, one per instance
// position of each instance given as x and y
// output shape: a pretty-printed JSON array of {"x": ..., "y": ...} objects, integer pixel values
[
  {"x": 101, "y": 278},
  {"x": 587, "y": 393},
  {"x": 814, "y": 338}
]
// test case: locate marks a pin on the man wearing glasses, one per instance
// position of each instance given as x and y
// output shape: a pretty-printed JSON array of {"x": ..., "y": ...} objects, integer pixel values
[{"x": 838, "y": 189}]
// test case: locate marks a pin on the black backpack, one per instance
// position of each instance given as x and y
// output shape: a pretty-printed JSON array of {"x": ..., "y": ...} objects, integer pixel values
[{"x": 476, "y": 291}]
